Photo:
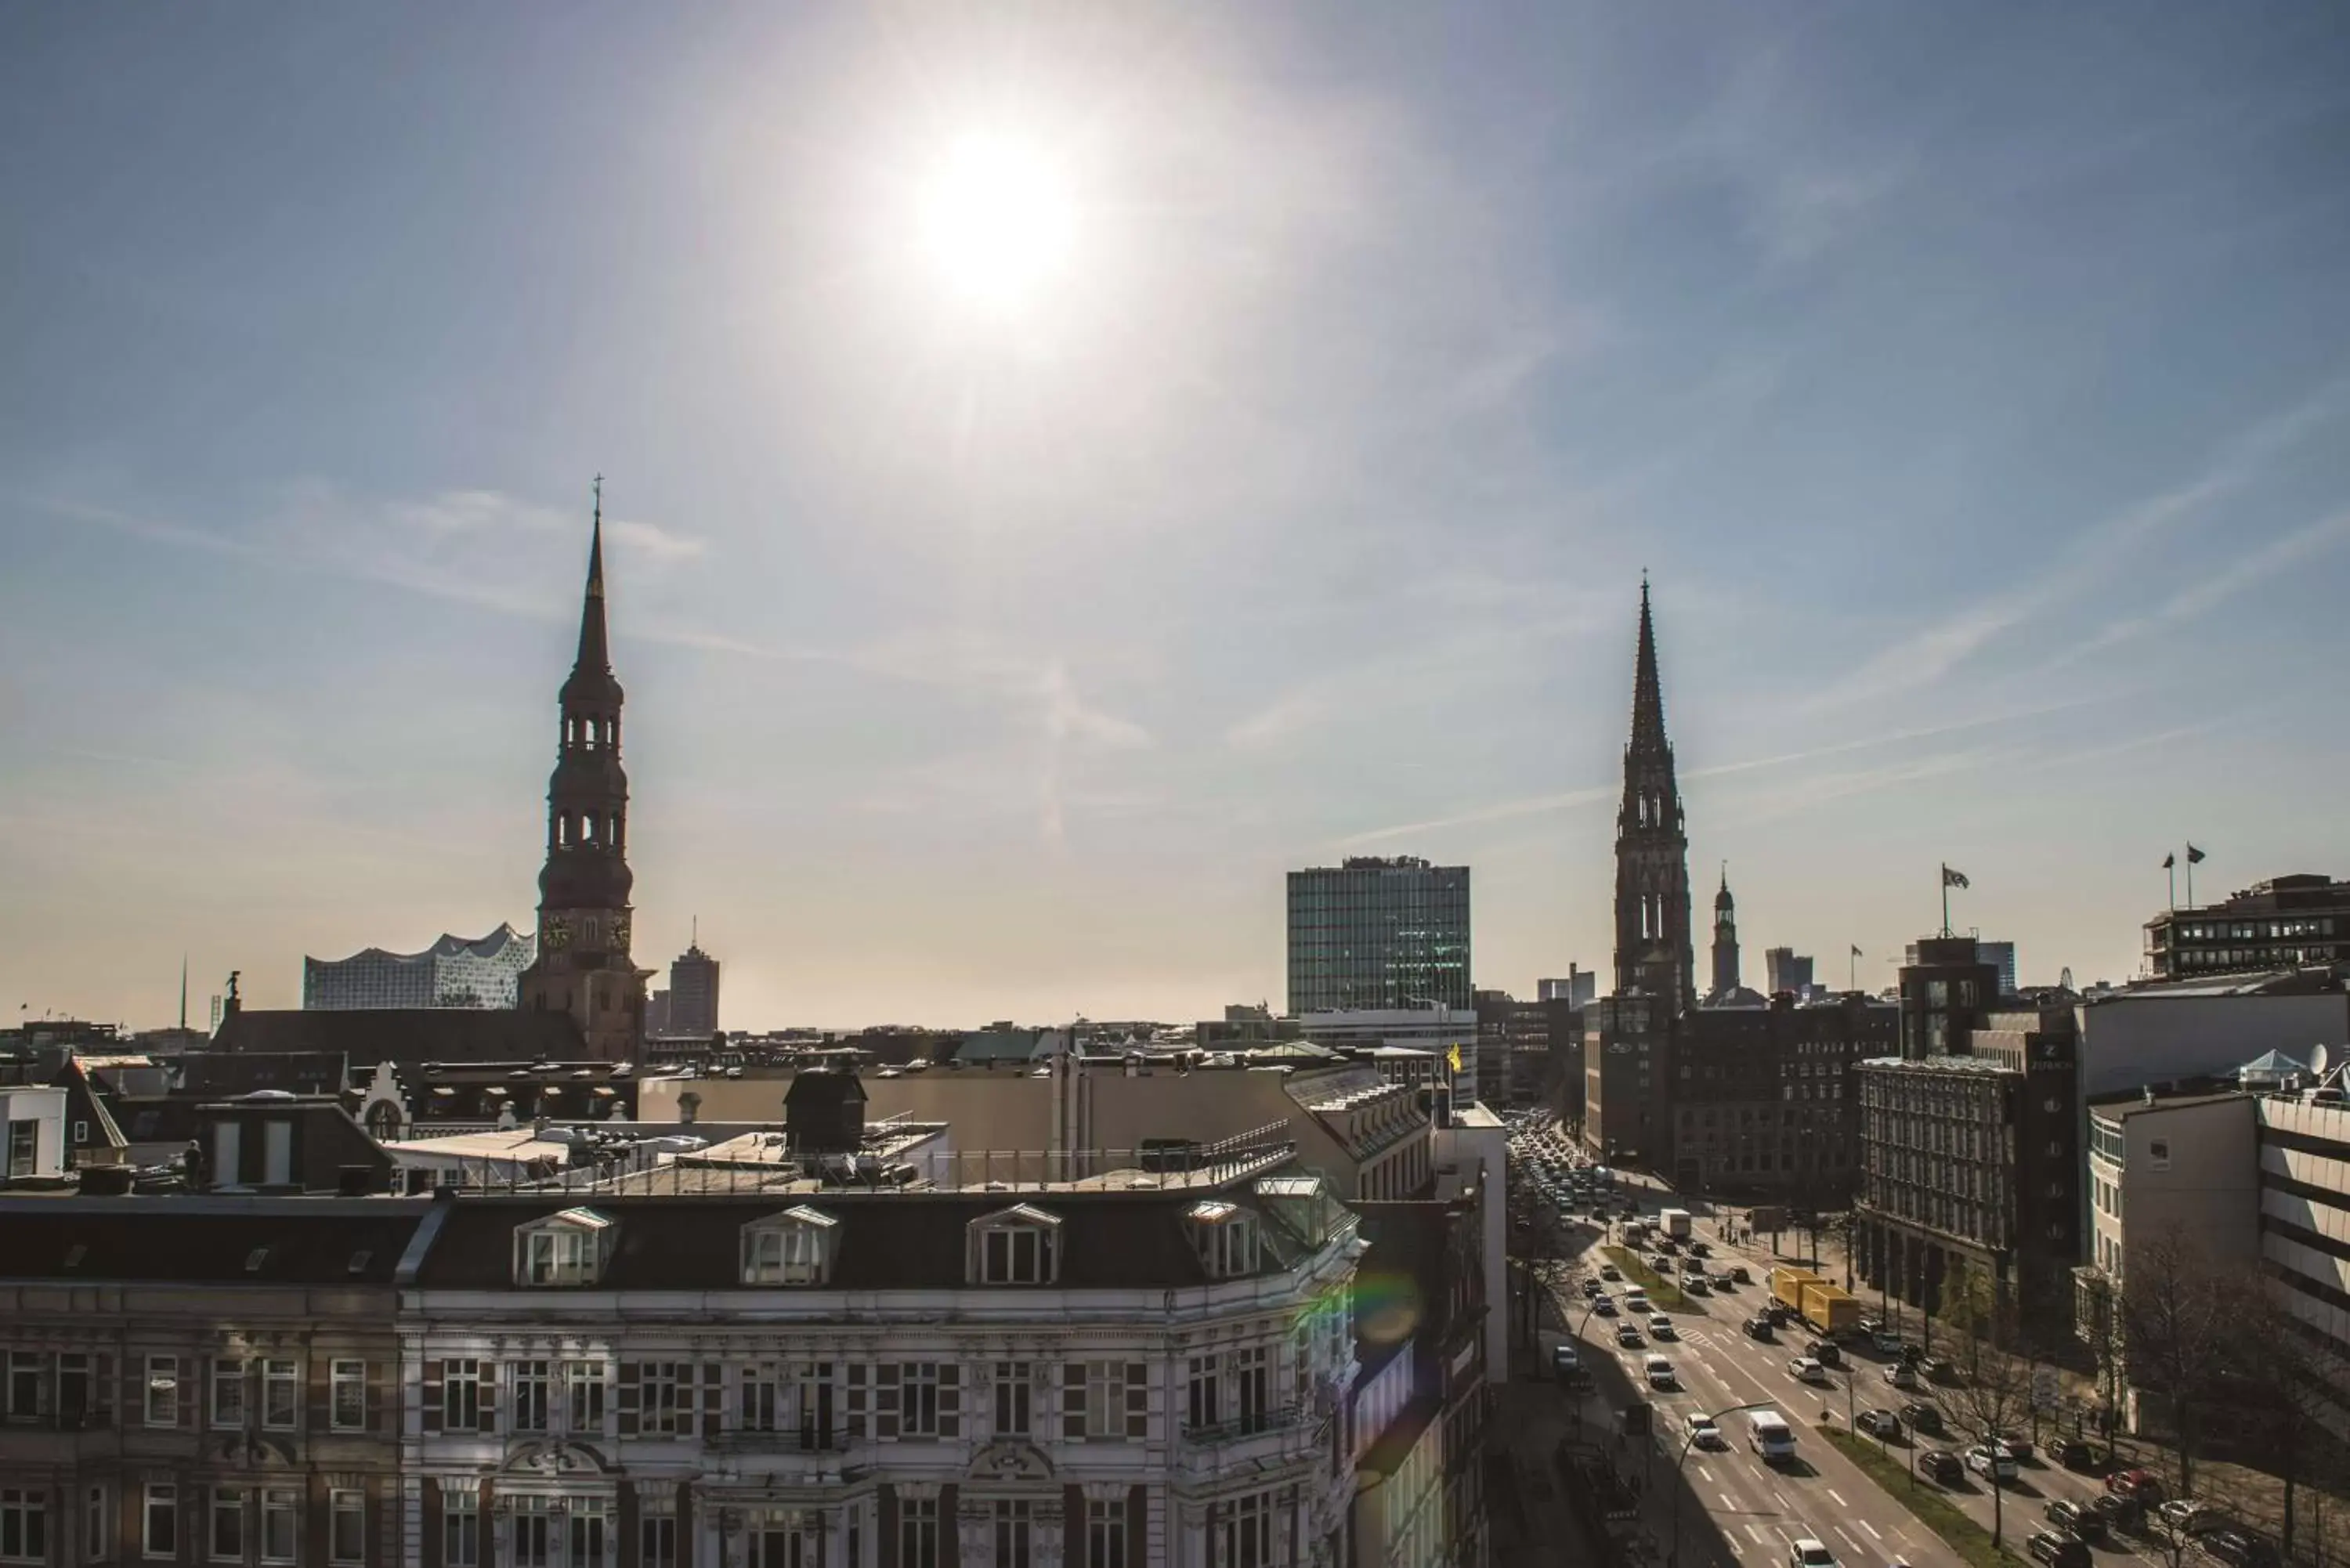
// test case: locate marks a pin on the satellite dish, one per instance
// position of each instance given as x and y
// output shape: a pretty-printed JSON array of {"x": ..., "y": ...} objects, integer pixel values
[{"x": 2319, "y": 1060}]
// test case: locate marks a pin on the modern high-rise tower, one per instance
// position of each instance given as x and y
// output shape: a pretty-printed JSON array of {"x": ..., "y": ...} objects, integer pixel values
[
  {"x": 584, "y": 968},
  {"x": 693, "y": 993},
  {"x": 1653, "y": 954}
]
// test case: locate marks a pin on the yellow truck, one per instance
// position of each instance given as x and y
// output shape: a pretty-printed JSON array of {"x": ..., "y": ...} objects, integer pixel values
[
  {"x": 1828, "y": 1309},
  {"x": 1787, "y": 1286}
]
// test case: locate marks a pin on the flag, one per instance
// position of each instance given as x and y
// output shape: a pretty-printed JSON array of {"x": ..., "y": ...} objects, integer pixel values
[
  {"x": 1856, "y": 952},
  {"x": 1956, "y": 879},
  {"x": 2170, "y": 861},
  {"x": 2194, "y": 856},
  {"x": 1453, "y": 1058}
]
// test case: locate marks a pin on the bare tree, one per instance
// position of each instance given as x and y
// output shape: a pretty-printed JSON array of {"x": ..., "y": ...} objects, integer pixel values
[
  {"x": 2281, "y": 1382},
  {"x": 2175, "y": 1325},
  {"x": 1995, "y": 1395}
]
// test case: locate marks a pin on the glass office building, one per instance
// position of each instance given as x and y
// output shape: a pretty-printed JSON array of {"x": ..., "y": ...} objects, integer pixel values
[
  {"x": 451, "y": 972},
  {"x": 1379, "y": 933}
]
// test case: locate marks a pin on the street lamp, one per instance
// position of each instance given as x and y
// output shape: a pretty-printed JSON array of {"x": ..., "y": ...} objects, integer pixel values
[{"x": 1688, "y": 1442}]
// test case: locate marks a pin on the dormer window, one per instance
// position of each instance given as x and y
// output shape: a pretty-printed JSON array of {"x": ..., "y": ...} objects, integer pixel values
[
  {"x": 566, "y": 1249},
  {"x": 793, "y": 1248},
  {"x": 1225, "y": 1235},
  {"x": 1016, "y": 1246}
]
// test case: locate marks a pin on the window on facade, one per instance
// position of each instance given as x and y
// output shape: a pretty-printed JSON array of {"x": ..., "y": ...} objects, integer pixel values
[
  {"x": 347, "y": 1526},
  {"x": 918, "y": 1533},
  {"x": 75, "y": 1386},
  {"x": 927, "y": 1396},
  {"x": 97, "y": 1512},
  {"x": 162, "y": 1394},
  {"x": 664, "y": 1391},
  {"x": 25, "y": 1380},
  {"x": 656, "y": 1541},
  {"x": 762, "y": 1407},
  {"x": 225, "y": 1535},
  {"x": 2157, "y": 1153},
  {"x": 228, "y": 1410},
  {"x": 1224, "y": 1234},
  {"x": 347, "y": 1403},
  {"x": 460, "y": 1396},
  {"x": 281, "y": 1394},
  {"x": 793, "y": 1248},
  {"x": 583, "y": 1382},
  {"x": 1105, "y": 1533},
  {"x": 532, "y": 1389},
  {"x": 159, "y": 1520},
  {"x": 281, "y": 1513},
  {"x": 24, "y": 1147},
  {"x": 1019, "y": 1246},
  {"x": 1105, "y": 1401},
  {"x": 534, "y": 1532},
  {"x": 1242, "y": 1535},
  {"x": 1013, "y": 1384},
  {"x": 1203, "y": 1408},
  {"x": 1012, "y": 1532},
  {"x": 565, "y": 1249},
  {"x": 24, "y": 1524},
  {"x": 460, "y": 1528}
]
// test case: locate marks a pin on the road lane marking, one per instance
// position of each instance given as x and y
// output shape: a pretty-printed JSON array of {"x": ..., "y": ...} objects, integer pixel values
[
  {"x": 1839, "y": 1499},
  {"x": 1849, "y": 1540},
  {"x": 1870, "y": 1528},
  {"x": 1728, "y": 1506},
  {"x": 1762, "y": 1537}
]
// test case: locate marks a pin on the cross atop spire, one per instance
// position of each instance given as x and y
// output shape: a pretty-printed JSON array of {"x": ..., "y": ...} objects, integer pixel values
[{"x": 1648, "y": 691}]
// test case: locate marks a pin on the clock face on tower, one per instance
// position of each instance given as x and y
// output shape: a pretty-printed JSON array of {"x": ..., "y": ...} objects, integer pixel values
[
  {"x": 620, "y": 931},
  {"x": 556, "y": 935}
]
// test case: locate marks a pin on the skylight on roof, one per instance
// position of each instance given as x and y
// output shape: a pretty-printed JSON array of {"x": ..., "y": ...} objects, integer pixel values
[
  {"x": 360, "y": 1260},
  {"x": 254, "y": 1259},
  {"x": 75, "y": 1254}
]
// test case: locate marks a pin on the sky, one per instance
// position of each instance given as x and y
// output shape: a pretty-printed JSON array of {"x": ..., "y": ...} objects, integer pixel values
[{"x": 1972, "y": 383}]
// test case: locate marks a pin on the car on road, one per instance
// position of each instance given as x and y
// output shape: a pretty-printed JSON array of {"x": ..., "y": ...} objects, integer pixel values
[
  {"x": 1986, "y": 1459},
  {"x": 1700, "y": 1250},
  {"x": 1825, "y": 1350},
  {"x": 1884, "y": 1343},
  {"x": 1637, "y": 1301},
  {"x": 2142, "y": 1486},
  {"x": 2078, "y": 1518},
  {"x": 1703, "y": 1433},
  {"x": 1593, "y": 1288},
  {"x": 1565, "y": 1364},
  {"x": 1757, "y": 1327},
  {"x": 2237, "y": 1547},
  {"x": 1882, "y": 1424},
  {"x": 1611, "y": 1272},
  {"x": 2119, "y": 1514},
  {"x": 1668, "y": 1245},
  {"x": 1604, "y": 1305},
  {"x": 2020, "y": 1446},
  {"x": 1807, "y": 1551},
  {"x": 1923, "y": 1416},
  {"x": 1661, "y": 1327},
  {"x": 1693, "y": 1268},
  {"x": 1738, "y": 1271},
  {"x": 1628, "y": 1335},
  {"x": 1695, "y": 1285},
  {"x": 2188, "y": 1517},
  {"x": 2057, "y": 1549},
  {"x": 1807, "y": 1369},
  {"x": 1941, "y": 1464},
  {"x": 1659, "y": 1373},
  {"x": 1901, "y": 1377}
]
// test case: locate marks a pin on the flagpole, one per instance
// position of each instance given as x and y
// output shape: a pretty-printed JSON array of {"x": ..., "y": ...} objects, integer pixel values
[
  {"x": 1945, "y": 900},
  {"x": 2190, "y": 875}
]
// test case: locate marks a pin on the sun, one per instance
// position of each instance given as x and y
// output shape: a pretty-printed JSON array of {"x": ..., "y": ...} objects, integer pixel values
[{"x": 998, "y": 220}]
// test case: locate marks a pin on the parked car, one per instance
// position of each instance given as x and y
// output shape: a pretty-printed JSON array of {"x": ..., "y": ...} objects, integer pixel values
[
  {"x": 2057, "y": 1549},
  {"x": 2018, "y": 1446},
  {"x": 2141, "y": 1487},
  {"x": 1807, "y": 1369},
  {"x": 1923, "y": 1416},
  {"x": 1940, "y": 1371},
  {"x": 1996, "y": 1463},
  {"x": 2237, "y": 1547},
  {"x": 1901, "y": 1377},
  {"x": 1883, "y": 1343},
  {"x": 1941, "y": 1464},
  {"x": 1882, "y": 1424},
  {"x": 2190, "y": 1517},
  {"x": 2074, "y": 1454},
  {"x": 2119, "y": 1514},
  {"x": 1703, "y": 1432},
  {"x": 1757, "y": 1327},
  {"x": 1871, "y": 1325},
  {"x": 2082, "y": 1521}
]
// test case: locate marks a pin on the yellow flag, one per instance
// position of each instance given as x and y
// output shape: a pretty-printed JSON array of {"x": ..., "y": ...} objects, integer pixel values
[{"x": 1452, "y": 1055}]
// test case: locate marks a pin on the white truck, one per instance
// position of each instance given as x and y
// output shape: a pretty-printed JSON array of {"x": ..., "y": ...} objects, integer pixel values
[{"x": 1674, "y": 1222}]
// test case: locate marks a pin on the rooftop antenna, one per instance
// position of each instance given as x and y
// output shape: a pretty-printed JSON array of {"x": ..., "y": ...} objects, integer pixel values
[{"x": 697, "y": 930}]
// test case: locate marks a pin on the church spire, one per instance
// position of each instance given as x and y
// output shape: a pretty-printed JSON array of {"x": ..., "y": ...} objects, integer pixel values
[
  {"x": 1648, "y": 691},
  {"x": 595, "y": 655}
]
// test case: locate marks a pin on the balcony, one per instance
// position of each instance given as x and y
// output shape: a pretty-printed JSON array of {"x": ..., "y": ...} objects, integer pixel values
[
  {"x": 793, "y": 1439},
  {"x": 1255, "y": 1424}
]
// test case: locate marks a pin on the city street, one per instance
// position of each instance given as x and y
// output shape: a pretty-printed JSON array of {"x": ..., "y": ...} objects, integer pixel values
[{"x": 1757, "y": 1510}]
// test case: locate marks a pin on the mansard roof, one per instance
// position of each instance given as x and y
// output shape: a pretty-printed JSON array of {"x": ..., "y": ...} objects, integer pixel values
[{"x": 201, "y": 1240}]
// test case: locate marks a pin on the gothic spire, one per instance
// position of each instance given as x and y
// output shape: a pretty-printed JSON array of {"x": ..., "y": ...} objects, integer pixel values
[
  {"x": 1648, "y": 691},
  {"x": 595, "y": 657}
]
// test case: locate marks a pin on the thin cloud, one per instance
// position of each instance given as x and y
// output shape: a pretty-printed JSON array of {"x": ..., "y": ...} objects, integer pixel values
[
  {"x": 1502, "y": 811},
  {"x": 2200, "y": 597},
  {"x": 1926, "y": 658}
]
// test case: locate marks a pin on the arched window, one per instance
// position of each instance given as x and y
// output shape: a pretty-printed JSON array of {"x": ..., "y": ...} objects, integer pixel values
[{"x": 563, "y": 832}]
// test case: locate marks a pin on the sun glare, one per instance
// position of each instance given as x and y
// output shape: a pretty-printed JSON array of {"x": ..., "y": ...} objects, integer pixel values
[{"x": 998, "y": 222}]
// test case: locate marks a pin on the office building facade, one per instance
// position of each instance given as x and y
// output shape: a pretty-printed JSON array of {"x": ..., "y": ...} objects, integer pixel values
[
  {"x": 1379, "y": 934},
  {"x": 692, "y": 993},
  {"x": 1785, "y": 970},
  {"x": 2286, "y": 922}
]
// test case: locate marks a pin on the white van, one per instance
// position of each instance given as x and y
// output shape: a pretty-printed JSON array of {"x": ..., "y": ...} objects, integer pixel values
[{"x": 1768, "y": 1434}]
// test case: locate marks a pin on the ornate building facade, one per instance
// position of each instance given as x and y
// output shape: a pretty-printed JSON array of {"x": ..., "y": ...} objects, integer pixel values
[{"x": 584, "y": 968}]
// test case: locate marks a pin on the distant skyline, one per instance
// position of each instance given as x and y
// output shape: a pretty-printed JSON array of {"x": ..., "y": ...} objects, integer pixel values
[{"x": 1069, "y": 465}]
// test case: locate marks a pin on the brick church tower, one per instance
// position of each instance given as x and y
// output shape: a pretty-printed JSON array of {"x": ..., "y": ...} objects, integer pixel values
[{"x": 1653, "y": 953}]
